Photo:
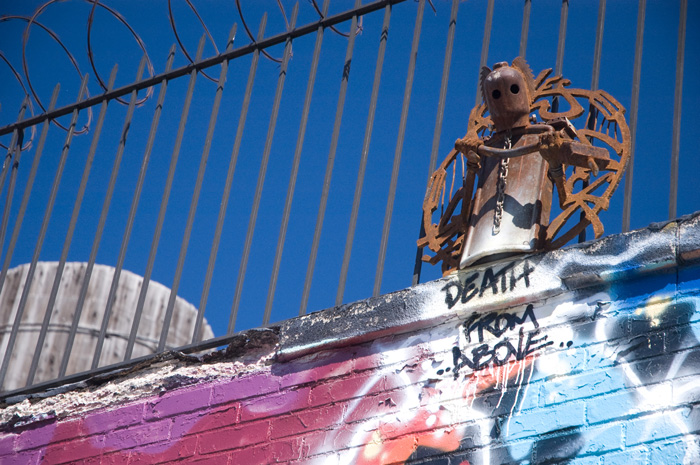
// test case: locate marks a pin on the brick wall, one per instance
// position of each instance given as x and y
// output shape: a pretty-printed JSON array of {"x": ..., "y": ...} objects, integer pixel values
[{"x": 588, "y": 356}]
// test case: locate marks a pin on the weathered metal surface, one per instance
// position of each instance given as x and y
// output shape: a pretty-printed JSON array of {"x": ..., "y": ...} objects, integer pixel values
[{"x": 517, "y": 164}]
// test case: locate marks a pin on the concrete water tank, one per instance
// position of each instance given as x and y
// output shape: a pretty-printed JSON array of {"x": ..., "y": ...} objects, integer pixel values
[{"x": 121, "y": 318}]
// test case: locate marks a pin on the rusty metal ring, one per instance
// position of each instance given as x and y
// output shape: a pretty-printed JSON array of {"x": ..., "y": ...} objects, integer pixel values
[
  {"x": 179, "y": 42},
  {"x": 138, "y": 39},
  {"x": 250, "y": 33},
  {"x": 28, "y": 144},
  {"x": 25, "y": 38}
]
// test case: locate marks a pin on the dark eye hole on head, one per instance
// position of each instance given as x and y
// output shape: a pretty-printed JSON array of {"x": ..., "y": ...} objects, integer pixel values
[
  {"x": 514, "y": 88},
  {"x": 496, "y": 94}
]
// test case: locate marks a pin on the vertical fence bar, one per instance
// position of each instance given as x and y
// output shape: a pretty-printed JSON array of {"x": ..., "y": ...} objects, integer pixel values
[
  {"x": 677, "y": 102},
  {"x": 525, "y": 30},
  {"x": 438, "y": 124},
  {"x": 329, "y": 164},
  {"x": 134, "y": 205},
  {"x": 27, "y": 190},
  {"x": 598, "y": 45},
  {"x": 120, "y": 152},
  {"x": 100, "y": 224},
  {"x": 139, "y": 187},
  {"x": 595, "y": 75},
  {"x": 42, "y": 234},
  {"x": 13, "y": 151},
  {"x": 11, "y": 187},
  {"x": 561, "y": 42},
  {"x": 11, "y": 148},
  {"x": 164, "y": 201},
  {"x": 195, "y": 201},
  {"x": 399, "y": 149},
  {"x": 239, "y": 131},
  {"x": 137, "y": 197},
  {"x": 263, "y": 169},
  {"x": 69, "y": 234},
  {"x": 634, "y": 105},
  {"x": 295, "y": 163},
  {"x": 485, "y": 45},
  {"x": 219, "y": 227},
  {"x": 363, "y": 160}
]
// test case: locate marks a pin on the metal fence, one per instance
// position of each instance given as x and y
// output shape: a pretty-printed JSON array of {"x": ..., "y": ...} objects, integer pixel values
[{"x": 269, "y": 232}]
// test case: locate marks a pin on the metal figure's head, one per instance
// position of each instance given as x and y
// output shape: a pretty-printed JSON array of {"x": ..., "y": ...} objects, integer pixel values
[{"x": 507, "y": 92}]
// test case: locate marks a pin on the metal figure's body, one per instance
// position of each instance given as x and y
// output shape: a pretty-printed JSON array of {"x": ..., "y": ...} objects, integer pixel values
[{"x": 508, "y": 211}]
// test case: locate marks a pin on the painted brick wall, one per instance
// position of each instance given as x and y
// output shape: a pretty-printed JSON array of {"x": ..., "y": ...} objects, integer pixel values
[{"x": 505, "y": 368}]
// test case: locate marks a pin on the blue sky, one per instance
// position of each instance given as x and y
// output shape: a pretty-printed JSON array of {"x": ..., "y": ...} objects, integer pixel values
[{"x": 47, "y": 64}]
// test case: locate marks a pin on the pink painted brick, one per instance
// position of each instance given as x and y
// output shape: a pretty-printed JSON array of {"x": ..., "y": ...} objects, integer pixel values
[
  {"x": 244, "y": 387},
  {"x": 221, "y": 459},
  {"x": 286, "y": 425},
  {"x": 35, "y": 437},
  {"x": 219, "y": 417},
  {"x": 367, "y": 358},
  {"x": 278, "y": 452},
  {"x": 316, "y": 367},
  {"x": 369, "y": 407},
  {"x": 27, "y": 457},
  {"x": 306, "y": 421},
  {"x": 178, "y": 402},
  {"x": 179, "y": 450},
  {"x": 355, "y": 385},
  {"x": 115, "y": 458},
  {"x": 232, "y": 438},
  {"x": 138, "y": 436},
  {"x": 323, "y": 442},
  {"x": 393, "y": 381},
  {"x": 74, "y": 450},
  {"x": 276, "y": 404},
  {"x": 284, "y": 450},
  {"x": 251, "y": 455},
  {"x": 323, "y": 417},
  {"x": 111, "y": 420},
  {"x": 7, "y": 444}
]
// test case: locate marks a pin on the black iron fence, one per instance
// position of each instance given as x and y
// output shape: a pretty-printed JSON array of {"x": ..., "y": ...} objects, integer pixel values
[{"x": 297, "y": 185}]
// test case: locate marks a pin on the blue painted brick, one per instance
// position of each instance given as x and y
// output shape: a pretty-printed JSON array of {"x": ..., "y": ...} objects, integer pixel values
[
  {"x": 637, "y": 291},
  {"x": 541, "y": 421},
  {"x": 590, "y": 460},
  {"x": 628, "y": 457},
  {"x": 688, "y": 279},
  {"x": 626, "y": 403},
  {"x": 670, "y": 453},
  {"x": 576, "y": 387},
  {"x": 610, "y": 407},
  {"x": 657, "y": 427},
  {"x": 604, "y": 439}
]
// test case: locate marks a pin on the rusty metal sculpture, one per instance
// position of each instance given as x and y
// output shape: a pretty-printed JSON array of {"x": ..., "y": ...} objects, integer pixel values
[{"x": 531, "y": 147}]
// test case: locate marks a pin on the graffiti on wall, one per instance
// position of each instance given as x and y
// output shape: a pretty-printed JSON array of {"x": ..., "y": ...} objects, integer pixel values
[
  {"x": 501, "y": 278},
  {"x": 576, "y": 376}
]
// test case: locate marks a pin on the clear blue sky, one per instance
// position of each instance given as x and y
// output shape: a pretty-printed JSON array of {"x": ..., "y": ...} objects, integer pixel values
[{"x": 112, "y": 42}]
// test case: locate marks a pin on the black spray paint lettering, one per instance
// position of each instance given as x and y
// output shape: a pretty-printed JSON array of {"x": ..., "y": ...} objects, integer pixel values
[
  {"x": 464, "y": 292},
  {"x": 497, "y": 323},
  {"x": 501, "y": 353}
]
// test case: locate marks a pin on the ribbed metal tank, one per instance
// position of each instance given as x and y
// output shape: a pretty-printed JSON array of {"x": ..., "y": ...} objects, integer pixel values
[{"x": 120, "y": 322}]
